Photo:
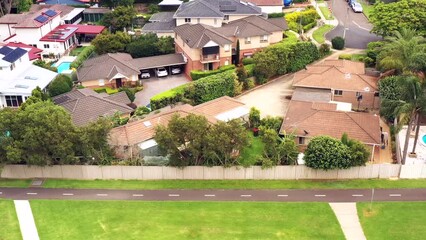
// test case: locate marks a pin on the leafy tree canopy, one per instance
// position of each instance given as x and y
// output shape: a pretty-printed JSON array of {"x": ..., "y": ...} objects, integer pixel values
[
  {"x": 110, "y": 43},
  {"x": 327, "y": 153},
  {"x": 122, "y": 17}
]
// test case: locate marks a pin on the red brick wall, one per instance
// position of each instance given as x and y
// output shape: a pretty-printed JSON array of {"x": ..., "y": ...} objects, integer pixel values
[{"x": 368, "y": 99}]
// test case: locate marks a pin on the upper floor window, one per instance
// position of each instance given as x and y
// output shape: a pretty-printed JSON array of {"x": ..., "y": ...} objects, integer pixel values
[
  {"x": 226, "y": 17},
  {"x": 247, "y": 40},
  {"x": 338, "y": 92},
  {"x": 215, "y": 21},
  {"x": 187, "y": 20},
  {"x": 46, "y": 46},
  {"x": 226, "y": 48},
  {"x": 13, "y": 101},
  {"x": 264, "y": 38},
  {"x": 198, "y": 20}
]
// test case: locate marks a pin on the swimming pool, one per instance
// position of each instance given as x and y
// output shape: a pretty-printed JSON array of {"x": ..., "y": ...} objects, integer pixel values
[
  {"x": 424, "y": 139},
  {"x": 63, "y": 66}
]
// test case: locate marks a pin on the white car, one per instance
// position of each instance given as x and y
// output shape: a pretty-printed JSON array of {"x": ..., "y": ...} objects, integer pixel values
[
  {"x": 145, "y": 74},
  {"x": 161, "y": 72},
  {"x": 175, "y": 70},
  {"x": 356, "y": 6}
]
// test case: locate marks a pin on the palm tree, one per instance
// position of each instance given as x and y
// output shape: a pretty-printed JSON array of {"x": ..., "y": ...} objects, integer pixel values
[
  {"x": 401, "y": 50},
  {"x": 408, "y": 108}
]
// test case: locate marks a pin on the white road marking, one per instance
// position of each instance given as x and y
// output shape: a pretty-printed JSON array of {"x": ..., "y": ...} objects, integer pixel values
[
  {"x": 31, "y": 193},
  {"x": 137, "y": 195},
  {"x": 319, "y": 195},
  {"x": 394, "y": 195},
  {"x": 363, "y": 28},
  {"x": 209, "y": 195},
  {"x": 102, "y": 194},
  {"x": 282, "y": 195},
  {"x": 246, "y": 195},
  {"x": 68, "y": 194},
  {"x": 357, "y": 195},
  {"x": 174, "y": 195}
]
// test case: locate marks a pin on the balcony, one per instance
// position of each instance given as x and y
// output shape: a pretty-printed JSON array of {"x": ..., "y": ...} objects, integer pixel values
[{"x": 209, "y": 58}]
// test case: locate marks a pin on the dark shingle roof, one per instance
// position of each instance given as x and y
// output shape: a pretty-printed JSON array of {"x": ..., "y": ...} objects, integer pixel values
[
  {"x": 216, "y": 9},
  {"x": 159, "y": 61},
  {"x": 162, "y": 17},
  {"x": 159, "y": 27},
  {"x": 198, "y": 35}
]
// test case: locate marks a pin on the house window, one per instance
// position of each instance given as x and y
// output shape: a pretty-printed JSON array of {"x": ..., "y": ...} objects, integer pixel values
[
  {"x": 101, "y": 82},
  {"x": 226, "y": 63},
  {"x": 301, "y": 140},
  {"x": 13, "y": 101},
  {"x": 264, "y": 38},
  {"x": 226, "y": 17},
  {"x": 247, "y": 40},
  {"x": 338, "y": 92},
  {"x": 215, "y": 21},
  {"x": 187, "y": 20},
  {"x": 46, "y": 46},
  {"x": 198, "y": 20},
  {"x": 226, "y": 47},
  {"x": 358, "y": 94}
]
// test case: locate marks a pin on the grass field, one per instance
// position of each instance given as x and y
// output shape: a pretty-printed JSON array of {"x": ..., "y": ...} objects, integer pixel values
[
  {"x": 290, "y": 39},
  {"x": 235, "y": 184},
  {"x": 250, "y": 154},
  {"x": 393, "y": 220},
  {"x": 326, "y": 12},
  {"x": 116, "y": 220},
  {"x": 9, "y": 226},
  {"x": 319, "y": 34},
  {"x": 14, "y": 183},
  {"x": 76, "y": 51}
]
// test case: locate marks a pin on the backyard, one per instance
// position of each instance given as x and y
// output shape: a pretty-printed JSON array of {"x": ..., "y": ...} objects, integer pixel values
[
  {"x": 57, "y": 219},
  {"x": 9, "y": 226},
  {"x": 252, "y": 153}
]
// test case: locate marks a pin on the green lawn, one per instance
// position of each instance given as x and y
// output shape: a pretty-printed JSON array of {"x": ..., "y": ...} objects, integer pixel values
[
  {"x": 291, "y": 38},
  {"x": 77, "y": 51},
  {"x": 14, "y": 183},
  {"x": 327, "y": 14},
  {"x": 393, "y": 220},
  {"x": 9, "y": 226},
  {"x": 250, "y": 154},
  {"x": 319, "y": 34},
  {"x": 366, "y": 8},
  {"x": 235, "y": 184},
  {"x": 116, "y": 220}
]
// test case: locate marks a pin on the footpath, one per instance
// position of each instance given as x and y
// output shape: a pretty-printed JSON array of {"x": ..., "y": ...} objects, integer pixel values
[{"x": 333, "y": 22}]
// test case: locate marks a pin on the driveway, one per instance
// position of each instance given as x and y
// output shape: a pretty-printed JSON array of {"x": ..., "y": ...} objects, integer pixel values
[
  {"x": 154, "y": 86},
  {"x": 358, "y": 28},
  {"x": 270, "y": 98}
]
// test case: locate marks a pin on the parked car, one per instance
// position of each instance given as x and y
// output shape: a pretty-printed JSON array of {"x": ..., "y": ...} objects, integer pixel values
[
  {"x": 356, "y": 7},
  {"x": 162, "y": 72},
  {"x": 145, "y": 74},
  {"x": 176, "y": 70}
]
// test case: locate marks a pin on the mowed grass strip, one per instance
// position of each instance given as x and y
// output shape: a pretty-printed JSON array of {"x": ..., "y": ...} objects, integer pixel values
[
  {"x": 319, "y": 34},
  {"x": 117, "y": 220},
  {"x": 393, "y": 220},
  {"x": 14, "y": 183},
  {"x": 326, "y": 12},
  {"x": 236, "y": 184},
  {"x": 9, "y": 225}
]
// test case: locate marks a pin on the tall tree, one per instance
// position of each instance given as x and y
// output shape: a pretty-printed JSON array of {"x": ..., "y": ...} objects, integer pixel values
[
  {"x": 24, "y": 5},
  {"x": 122, "y": 17},
  {"x": 110, "y": 43},
  {"x": 115, "y": 3},
  {"x": 237, "y": 53}
]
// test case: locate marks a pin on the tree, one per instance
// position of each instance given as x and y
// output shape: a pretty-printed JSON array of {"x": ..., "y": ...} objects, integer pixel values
[
  {"x": 358, "y": 151},
  {"x": 237, "y": 53},
  {"x": 61, "y": 84},
  {"x": 37, "y": 95},
  {"x": 144, "y": 46},
  {"x": 279, "y": 151},
  {"x": 327, "y": 153},
  {"x": 122, "y": 17},
  {"x": 129, "y": 92},
  {"x": 24, "y": 5},
  {"x": 153, "y": 8},
  {"x": 266, "y": 64},
  {"x": 389, "y": 17},
  {"x": 166, "y": 45},
  {"x": 116, "y": 3},
  {"x": 401, "y": 50},
  {"x": 254, "y": 117},
  {"x": 338, "y": 43},
  {"x": 110, "y": 43}
]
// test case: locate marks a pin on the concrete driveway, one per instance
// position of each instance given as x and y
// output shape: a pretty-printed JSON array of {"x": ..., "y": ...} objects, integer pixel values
[
  {"x": 154, "y": 86},
  {"x": 358, "y": 28},
  {"x": 270, "y": 98}
]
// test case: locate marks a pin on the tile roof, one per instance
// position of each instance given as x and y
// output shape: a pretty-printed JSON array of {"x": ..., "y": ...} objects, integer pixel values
[
  {"x": 311, "y": 95},
  {"x": 159, "y": 27},
  {"x": 252, "y": 26},
  {"x": 267, "y": 2},
  {"x": 216, "y": 9},
  {"x": 158, "y": 61},
  {"x": 198, "y": 35},
  {"x": 100, "y": 67},
  {"x": 85, "y": 105},
  {"x": 162, "y": 17},
  {"x": 28, "y": 21},
  {"x": 323, "y": 119},
  {"x": 62, "y": 8},
  {"x": 144, "y": 129},
  {"x": 96, "y": 10},
  {"x": 13, "y": 18},
  {"x": 336, "y": 74}
]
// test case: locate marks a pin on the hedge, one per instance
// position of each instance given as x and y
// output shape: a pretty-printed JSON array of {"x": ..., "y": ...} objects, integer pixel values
[
  {"x": 345, "y": 56},
  {"x": 250, "y": 70},
  {"x": 276, "y": 15},
  {"x": 82, "y": 56},
  {"x": 248, "y": 61},
  {"x": 168, "y": 97},
  {"x": 196, "y": 74},
  {"x": 309, "y": 26}
]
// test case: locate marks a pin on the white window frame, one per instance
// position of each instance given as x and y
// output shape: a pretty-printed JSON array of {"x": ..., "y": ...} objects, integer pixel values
[
  {"x": 226, "y": 48},
  {"x": 101, "y": 82},
  {"x": 264, "y": 38},
  {"x": 187, "y": 20},
  {"x": 338, "y": 92},
  {"x": 247, "y": 40}
]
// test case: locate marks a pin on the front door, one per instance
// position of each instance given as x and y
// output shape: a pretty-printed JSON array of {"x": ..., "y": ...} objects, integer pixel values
[{"x": 118, "y": 82}]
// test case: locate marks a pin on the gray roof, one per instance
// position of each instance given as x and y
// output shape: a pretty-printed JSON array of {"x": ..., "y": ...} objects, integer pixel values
[
  {"x": 97, "y": 10},
  {"x": 216, "y": 9},
  {"x": 86, "y": 105},
  {"x": 159, "y": 61},
  {"x": 159, "y": 27},
  {"x": 311, "y": 95},
  {"x": 198, "y": 35},
  {"x": 162, "y": 17},
  {"x": 105, "y": 66},
  {"x": 252, "y": 26}
]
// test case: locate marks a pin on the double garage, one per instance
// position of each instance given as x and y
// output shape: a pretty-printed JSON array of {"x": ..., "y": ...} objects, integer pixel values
[{"x": 155, "y": 65}]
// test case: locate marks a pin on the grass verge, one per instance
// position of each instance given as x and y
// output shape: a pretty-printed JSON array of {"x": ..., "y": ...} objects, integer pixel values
[
  {"x": 319, "y": 34},
  {"x": 14, "y": 183},
  {"x": 64, "y": 220},
  {"x": 250, "y": 154},
  {"x": 9, "y": 225},
  {"x": 366, "y": 9},
  {"x": 235, "y": 184},
  {"x": 393, "y": 220},
  {"x": 291, "y": 38},
  {"x": 326, "y": 12}
]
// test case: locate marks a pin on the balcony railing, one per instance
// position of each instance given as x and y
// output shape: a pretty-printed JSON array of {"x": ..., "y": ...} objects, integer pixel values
[{"x": 210, "y": 58}]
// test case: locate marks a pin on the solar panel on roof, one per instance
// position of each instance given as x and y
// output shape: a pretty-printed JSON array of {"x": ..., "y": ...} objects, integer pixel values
[
  {"x": 15, "y": 55},
  {"x": 5, "y": 50},
  {"x": 50, "y": 13},
  {"x": 41, "y": 19}
]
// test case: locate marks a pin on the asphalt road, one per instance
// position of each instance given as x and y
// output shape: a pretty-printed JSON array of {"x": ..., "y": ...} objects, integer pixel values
[
  {"x": 358, "y": 28},
  {"x": 326, "y": 195}
]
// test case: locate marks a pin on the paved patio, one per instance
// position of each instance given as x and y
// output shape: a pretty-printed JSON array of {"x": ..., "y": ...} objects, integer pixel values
[{"x": 154, "y": 86}]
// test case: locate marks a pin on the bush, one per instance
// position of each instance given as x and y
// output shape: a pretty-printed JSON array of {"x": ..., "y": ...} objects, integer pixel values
[
  {"x": 305, "y": 17},
  {"x": 338, "y": 43},
  {"x": 369, "y": 62},
  {"x": 168, "y": 97},
  {"x": 276, "y": 15},
  {"x": 197, "y": 74},
  {"x": 254, "y": 117},
  {"x": 100, "y": 90},
  {"x": 153, "y": 8},
  {"x": 327, "y": 153},
  {"x": 324, "y": 49},
  {"x": 345, "y": 56},
  {"x": 358, "y": 151},
  {"x": 309, "y": 26},
  {"x": 273, "y": 123},
  {"x": 129, "y": 92},
  {"x": 142, "y": 110},
  {"x": 249, "y": 70},
  {"x": 61, "y": 84},
  {"x": 248, "y": 61},
  {"x": 45, "y": 65},
  {"x": 82, "y": 57},
  {"x": 250, "y": 83}
]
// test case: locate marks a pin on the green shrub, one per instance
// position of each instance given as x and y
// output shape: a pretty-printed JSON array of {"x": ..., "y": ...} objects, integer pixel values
[
  {"x": 338, "y": 43},
  {"x": 305, "y": 17},
  {"x": 250, "y": 70},
  {"x": 345, "y": 56},
  {"x": 254, "y": 117},
  {"x": 61, "y": 84},
  {"x": 324, "y": 49},
  {"x": 129, "y": 92},
  {"x": 327, "y": 153},
  {"x": 45, "y": 65},
  {"x": 100, "y": 90},
  {"x": 197, "y": 74},
  {"x": 82, "y": 57},
  {"x": 250, "y": 83},
  {"x": 309, "y": 26},
  {"x": 142, "y": 110},
  {"x": 248, "y": 61},
  {"x": 369, "y": 62},
  {"x": 168, "y": 97},
  {"x": 276, "y": 15}
]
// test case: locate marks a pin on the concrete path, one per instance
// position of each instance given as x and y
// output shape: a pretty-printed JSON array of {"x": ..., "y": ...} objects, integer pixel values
[
  {"x": 26, "y": 220},
  {"x": 347, "y": 215}
]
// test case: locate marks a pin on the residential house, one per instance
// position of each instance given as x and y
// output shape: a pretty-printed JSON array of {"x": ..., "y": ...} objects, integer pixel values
[
  {"x": 19, "y": 77},
  {"x": 269, "y": 6},
  {"x": 345, "y": 80},
  {"x": 208, "y": 48},
  {"x": 33, "y": 52},
  {"x": 86, "y": 105},
  {"x": 94, "y": 14},
  {"x": 169, "y": 5},
  {"x": 161, "y": 23},
  {"x": 136, "y": 139},
  {"x": 69, "y": 15}
]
